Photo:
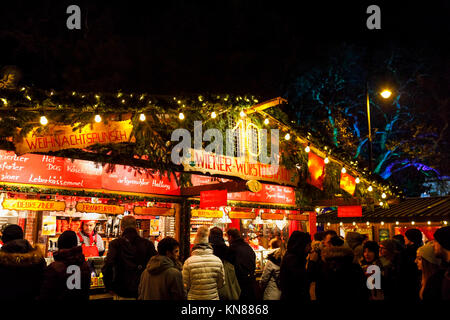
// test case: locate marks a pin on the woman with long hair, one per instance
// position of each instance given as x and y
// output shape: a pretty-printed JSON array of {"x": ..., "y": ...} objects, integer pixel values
[{"x": 428, "y": 264}]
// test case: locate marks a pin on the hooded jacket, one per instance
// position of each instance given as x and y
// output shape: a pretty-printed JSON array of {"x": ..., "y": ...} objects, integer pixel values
[
  {"x": 54, "y": 286},
  {"x": 126, "y": 260},
  {"x": 341, "y": 279},
  {"x": 203, "y": 274},
  {"x": 162, "y": 280},
  {"x": 21, "y": 271},
  {"x": 270, "y": 275}
]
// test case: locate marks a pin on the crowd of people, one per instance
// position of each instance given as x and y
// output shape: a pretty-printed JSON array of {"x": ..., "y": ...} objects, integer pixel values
[{"x": 325, "y": 268}]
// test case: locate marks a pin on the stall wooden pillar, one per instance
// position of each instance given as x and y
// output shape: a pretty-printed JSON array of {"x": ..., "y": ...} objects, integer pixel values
[{"x": 185, "y": 224}]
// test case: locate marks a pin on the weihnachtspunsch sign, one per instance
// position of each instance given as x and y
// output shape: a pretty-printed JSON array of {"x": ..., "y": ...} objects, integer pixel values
[{"x": 57, "y": 137}]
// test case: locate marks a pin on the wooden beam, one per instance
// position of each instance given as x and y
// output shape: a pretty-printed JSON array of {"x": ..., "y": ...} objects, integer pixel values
[
  {"x": 265, "y": 105},
  {"x": 231, "y": 186}
]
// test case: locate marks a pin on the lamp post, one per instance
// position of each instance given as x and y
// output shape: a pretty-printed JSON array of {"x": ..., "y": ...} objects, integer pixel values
[{"x": 386, "y": 93}]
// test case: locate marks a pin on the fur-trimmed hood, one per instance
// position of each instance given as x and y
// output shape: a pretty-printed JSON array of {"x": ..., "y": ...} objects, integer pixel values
[
  {"x": 19, "y": 253},
  {"x": 337, "y": 253},
  {"x": 70, "y": 256}
]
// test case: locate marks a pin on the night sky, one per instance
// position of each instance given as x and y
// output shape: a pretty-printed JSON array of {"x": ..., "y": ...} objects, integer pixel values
[{"x": 229, "y": 46}]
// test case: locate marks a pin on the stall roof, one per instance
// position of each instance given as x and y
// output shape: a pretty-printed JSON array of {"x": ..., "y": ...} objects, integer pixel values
[{"x": 411, "y": 209}]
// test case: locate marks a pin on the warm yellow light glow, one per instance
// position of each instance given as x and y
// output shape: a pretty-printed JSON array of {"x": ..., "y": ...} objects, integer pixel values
[
  {"x": 383, "y": 195},
  {"x": 242, "y": 114},
  {"x": 413, "y": 223},
  {"x": 396, "y": 222},
  {"x": 340, "y": 223},
  {"x": 328, "y": 224},
  {"x": 381, "y": 203},
  {"x": 343, "y": 170},
  {"x": 142, "y": 117},
  {"x": 5, "y": 102},
  {"x": 43, "y": 120},
  {"x": 181, "y": 116},
  {"x": 386, "y": 93},
  {"x": 266, "y": 121},
  {"x": 287, "y": 136},
  {"x": 445, "y": 222},
  {"x": 368, "y": 223},
  {"x": 354, "y": 223},
  {"x": 382, "y": 223},
  {"x": 97, "y": 118},
  {"x": 357, "y": 180},
  {"x": 429, "y": 222},
  {"x": 370, "y": 189},
  {"x": 307, "y": 149},
  {"x": 213, "y": 115},
  {"x": 317, "y": 209},
  {"x": 326, "y": 160}
]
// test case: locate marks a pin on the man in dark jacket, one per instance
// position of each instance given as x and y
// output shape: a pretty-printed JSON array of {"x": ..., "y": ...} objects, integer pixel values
[
  {"x": 410, "y": 276},
  {"x": 293, "y": 278},
  {"x": 162, "y": 279},
  {"x": 21, "y": 267},
  {"x": 242, "y": 256},
  {"x": 126, "y": 260},
  {"x": 55, "y": 286}
]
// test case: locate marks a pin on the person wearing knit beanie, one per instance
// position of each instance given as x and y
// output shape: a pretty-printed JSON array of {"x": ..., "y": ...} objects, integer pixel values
[
  {"x": 413, "y": 236},
  {"x": 12, "y": 232},
  {"x": 67, "y": 240},
  {"x": 202, "y": 235},
  {"x": 442, "y": 243}
]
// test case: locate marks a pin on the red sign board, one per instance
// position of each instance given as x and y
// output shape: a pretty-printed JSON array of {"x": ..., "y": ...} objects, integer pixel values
[
  {"x": 213, "y": 198},
  {"x": 67, "y": 173},
  {"x": 268, "y": 194},
  {"x": 349, "y": 211}
]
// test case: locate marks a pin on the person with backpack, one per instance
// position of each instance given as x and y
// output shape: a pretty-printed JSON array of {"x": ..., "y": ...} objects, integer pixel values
[
  {"x": 127, "y": 258},
  {"x": 54, "y": 286},
  {"x": 270, "y": 279}
]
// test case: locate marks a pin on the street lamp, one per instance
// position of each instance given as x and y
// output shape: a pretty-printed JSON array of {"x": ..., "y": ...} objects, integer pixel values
[{"x": 386, "y": 93}]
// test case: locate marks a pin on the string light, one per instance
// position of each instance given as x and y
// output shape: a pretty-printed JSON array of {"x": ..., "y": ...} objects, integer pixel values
[
  {"x": 5, "y": 102},
  {"x": 381, "y": 203},
  {"x": 326, "y": 160},
  {"x": 396, "y": 222},
  {"x": 383, "y": 195},
  {"x": 98, "y": 118},
  {"x": 382, "y": 223},
  {"x": 357, "y": 180},
  {"x": 307, "y": 149},
  {"x": 266, "y": 121},
  {"x": 328, "y": 224},
  {"x": 368, "y": 223},
  {"x": 43, "y": 120},
  {"x": 181, "y": 116},
  {"x": 317, "y": 209},
  {"x": 429, "y": 222},
  {"x": 413, "y": 223},
  {"x": 445, "y": 222},
  {"x": 354, "y": 223},
  {"x": 287, "y": 136},
  {"x": 370, "y": 189},
  {"x": 343, "y": 170},
  {"x": 340, "y": 223},
  {"x": 213, "y": 115},
  {"x": 242, "y": 114},
  {"x": 142, "y": 117}
]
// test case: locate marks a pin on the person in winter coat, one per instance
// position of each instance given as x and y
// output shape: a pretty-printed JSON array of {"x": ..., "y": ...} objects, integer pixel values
[
  {"x": 21, "y": 267},
  {"x": 244, "y": 260},
  {"x": 340, "y": 279},
  {"x": 355, "y": 242},
  {"x": 162, "y": 279},
  {"x": 293, "y": 277},
  {"x": 55, "y": 286},
  {"x": 203, "y": 273},
  {"x": 231, "y": 290},
  {"x": 371, "y": 252},
  {"x": 390, "y": 255},
  {"x": 126, "y": 260},
  {"x": 410, "y": 276},
  {"x": 438, "y": 285},
  {"x": 270, "y": 279},
  {"x": 428, "y": 264}
]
